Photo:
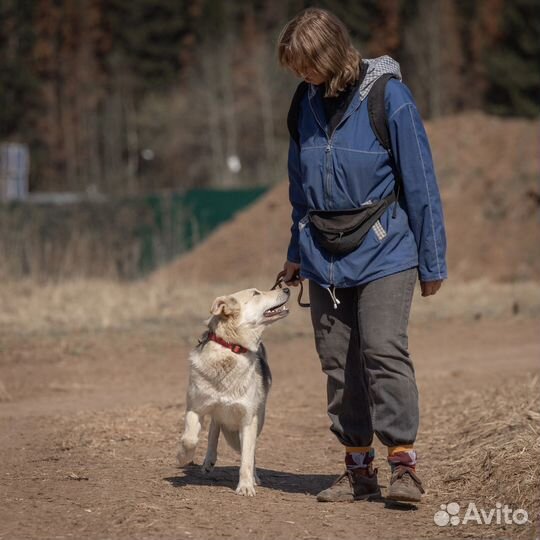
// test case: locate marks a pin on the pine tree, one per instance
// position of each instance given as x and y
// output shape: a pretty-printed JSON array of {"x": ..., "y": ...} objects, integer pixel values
[
  {"x": 19, "y": 86},
  {"x": 359, "y": 15},
  {"x": 513, "y": 65},
  {"x": 386, "y": 36},
  {"x": 147, "y": 35},
  {"x": 480, "y": 24}
]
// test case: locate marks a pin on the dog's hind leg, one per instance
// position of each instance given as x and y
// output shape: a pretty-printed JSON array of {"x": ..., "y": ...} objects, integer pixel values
[
  {"x": 248, "y": 438},
  {"x": 255, "y": 475},
  {"x": 233, "y": 438},
  {"x": 189, "y": 439},
  {"x": 211, "y": 452}
]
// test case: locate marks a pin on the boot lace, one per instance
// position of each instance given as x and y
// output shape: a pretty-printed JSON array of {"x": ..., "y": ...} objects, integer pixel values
[{"x": 402, "y": 470}]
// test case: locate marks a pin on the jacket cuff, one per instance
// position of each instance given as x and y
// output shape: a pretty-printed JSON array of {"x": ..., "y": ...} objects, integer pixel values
[
  {"x": 293, "y": 254},
  {"x": 432, "y": 276}
]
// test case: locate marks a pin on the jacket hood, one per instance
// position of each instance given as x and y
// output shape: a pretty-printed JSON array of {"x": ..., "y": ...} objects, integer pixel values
[{"x": 375, "y": 68}]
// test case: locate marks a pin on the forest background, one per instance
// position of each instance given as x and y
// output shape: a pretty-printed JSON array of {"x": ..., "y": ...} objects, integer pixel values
[{"x": 136, "y": 96}]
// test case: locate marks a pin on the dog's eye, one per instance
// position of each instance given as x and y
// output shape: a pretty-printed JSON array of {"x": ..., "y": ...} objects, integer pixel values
[{"x": 255, "y": 293}]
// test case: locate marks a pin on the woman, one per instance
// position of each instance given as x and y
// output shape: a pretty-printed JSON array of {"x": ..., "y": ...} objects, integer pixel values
[{"x": 360, "y": 301}]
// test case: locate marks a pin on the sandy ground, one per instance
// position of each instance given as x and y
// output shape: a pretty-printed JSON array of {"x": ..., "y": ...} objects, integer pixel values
[
  {"x": 93, "y": 379},
  {"x": 89, "y": 436}
]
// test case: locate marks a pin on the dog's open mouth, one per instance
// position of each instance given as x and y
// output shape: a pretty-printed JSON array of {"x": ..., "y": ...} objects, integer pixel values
[{"x": 281, "y": 309}]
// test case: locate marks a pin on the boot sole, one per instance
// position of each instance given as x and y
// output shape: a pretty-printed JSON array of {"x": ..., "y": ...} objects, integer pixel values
[
  {"x": 367, "y": 497},
  {"x": 403, "y": 498},
  {"x": 335, "y": 500}
]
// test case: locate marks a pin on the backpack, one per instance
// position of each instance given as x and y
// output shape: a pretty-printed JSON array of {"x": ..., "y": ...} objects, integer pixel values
[{"x": 377, "y": 119}]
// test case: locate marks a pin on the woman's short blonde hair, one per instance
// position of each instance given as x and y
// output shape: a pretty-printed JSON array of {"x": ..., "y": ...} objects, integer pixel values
[{"x": 317, "y": 40}]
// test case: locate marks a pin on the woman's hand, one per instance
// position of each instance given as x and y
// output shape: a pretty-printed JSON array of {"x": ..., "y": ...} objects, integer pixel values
[
  {"x": 430, "y": 287},
  {"x": 291, "y": 276}
]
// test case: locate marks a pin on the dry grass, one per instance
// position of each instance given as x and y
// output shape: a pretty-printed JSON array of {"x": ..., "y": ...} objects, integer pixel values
[
  {"x": 479, "y": 299},
  {"x": 88, "y": 304},
  {"x": 83, "y": 304},
  {"x": 105, "y": 432},
  {"x": 55, "y": 242},
  {"x": 495, "y": 456}
]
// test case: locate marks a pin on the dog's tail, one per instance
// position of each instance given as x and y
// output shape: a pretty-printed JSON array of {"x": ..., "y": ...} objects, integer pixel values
[{"x": 232, "y": 437}]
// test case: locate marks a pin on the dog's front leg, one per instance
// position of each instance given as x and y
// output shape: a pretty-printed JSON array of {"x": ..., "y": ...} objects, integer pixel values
[
  {"x": 189, "y": 439},
  {"x": 248, "y": 438},
  {"x": 211, "y": 453}
]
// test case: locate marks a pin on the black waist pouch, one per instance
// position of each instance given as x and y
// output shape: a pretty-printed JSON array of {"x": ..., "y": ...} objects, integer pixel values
[{"x": 341, "y": 231}]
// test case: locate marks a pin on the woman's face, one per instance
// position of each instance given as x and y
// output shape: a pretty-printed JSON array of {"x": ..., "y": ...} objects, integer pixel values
[{"x": 312, "y": 76}]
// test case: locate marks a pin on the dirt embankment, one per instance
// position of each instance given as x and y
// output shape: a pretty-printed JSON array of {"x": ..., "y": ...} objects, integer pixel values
[{"x": 488, "y": 170}]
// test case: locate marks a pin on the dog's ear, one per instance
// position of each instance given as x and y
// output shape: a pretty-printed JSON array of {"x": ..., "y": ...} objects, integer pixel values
[{"x": 225, "y": 306}]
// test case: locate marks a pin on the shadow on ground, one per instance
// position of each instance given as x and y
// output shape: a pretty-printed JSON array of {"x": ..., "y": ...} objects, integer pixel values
[
  {"x": 288, "y": 482},
  {"x": 308, "y": 484}
]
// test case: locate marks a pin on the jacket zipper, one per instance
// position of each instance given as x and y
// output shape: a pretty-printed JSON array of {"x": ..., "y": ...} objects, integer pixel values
[
  {"x": 328, "y": 175},
  {"x": 328, "y": 149}
]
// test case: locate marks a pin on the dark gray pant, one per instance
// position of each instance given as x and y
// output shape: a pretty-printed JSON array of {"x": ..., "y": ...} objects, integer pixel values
[{"x": 363, "y": 348}]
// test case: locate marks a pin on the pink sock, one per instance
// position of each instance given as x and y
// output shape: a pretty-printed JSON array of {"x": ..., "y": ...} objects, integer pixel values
[{"x": 359, "y": 460}]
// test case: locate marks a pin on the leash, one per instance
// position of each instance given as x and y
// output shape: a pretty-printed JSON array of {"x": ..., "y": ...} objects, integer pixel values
[{"x": 279, "y": 282}]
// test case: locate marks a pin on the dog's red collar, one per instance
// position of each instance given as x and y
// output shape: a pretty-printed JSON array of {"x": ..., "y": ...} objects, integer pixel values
[{"x": 235, "y": 348}]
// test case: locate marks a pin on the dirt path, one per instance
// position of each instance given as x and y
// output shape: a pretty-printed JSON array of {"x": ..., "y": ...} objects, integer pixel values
[{"x": 88, "y": 440}]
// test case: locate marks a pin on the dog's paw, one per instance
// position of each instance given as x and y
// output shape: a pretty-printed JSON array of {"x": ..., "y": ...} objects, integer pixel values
[
  {"x": 184, "y": 457},
  {"x": 207, "y": 466},
  {"x": 247, "y": 490}
]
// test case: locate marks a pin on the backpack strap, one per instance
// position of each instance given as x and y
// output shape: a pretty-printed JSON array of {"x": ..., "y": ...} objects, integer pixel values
[
  {"x": 294, "y": 111},
  {"x": 379, "y": 125},
  {"x": 377, "y": 110}
]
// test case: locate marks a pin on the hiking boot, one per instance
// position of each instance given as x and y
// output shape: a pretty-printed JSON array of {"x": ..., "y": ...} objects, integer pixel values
[
  {"x": 405, "y": 486},
  {"x": 352, "y": 485}
]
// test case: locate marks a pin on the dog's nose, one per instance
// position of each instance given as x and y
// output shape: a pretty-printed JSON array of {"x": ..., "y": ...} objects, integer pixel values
[{"x": 286, "y": 291}]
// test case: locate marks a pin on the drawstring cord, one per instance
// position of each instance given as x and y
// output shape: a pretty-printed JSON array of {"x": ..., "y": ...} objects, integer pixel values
[{"x": 333, "y": 296}]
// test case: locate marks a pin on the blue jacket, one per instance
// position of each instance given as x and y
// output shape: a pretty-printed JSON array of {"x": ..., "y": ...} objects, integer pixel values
[{"x": 351, "y": 168}]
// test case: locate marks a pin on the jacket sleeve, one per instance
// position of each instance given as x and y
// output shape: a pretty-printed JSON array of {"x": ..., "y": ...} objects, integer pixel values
[
  {"x": 412, "y": 155},
  {"x": 297, "y": 199}
]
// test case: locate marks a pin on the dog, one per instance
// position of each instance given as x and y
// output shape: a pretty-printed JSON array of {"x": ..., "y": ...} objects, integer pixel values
[{"x": 229, "y": 379}]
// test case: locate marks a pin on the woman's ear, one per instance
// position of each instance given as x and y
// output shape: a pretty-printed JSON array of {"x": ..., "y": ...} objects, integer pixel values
[{"x": 225, "y": 306}]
